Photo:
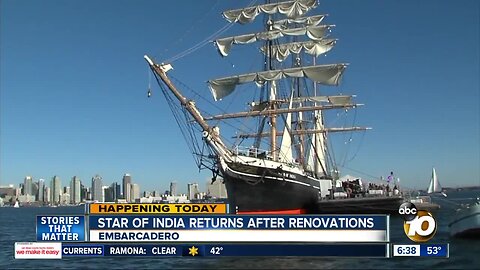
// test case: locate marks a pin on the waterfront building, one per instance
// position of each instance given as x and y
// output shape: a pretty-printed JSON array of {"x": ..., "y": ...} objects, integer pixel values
[
  {"x": 173, "y": 188},
  {"x": 56, "y": 190},
  {"x": 106, "y": 197},
  {"x": 118, "y": 191},
  {"x": 47, "y": 195},
  {"x": 135, "y": 192},
  {"x": 151, "y": 199},
  {"x": 127, "y": 180},
  {"x": 26, "y": 198},
  {"x": 9, "y": 190},
  {"x": 83, "y": 192},
  {"x": 175, "y": 199},
  {"x": 41, "y": 191},
  {"x": 128, "y": 193},
  {"x": 66, "y": 190},
  {"x": 112, "y": 194},
  {"x": 27, "y": 185},
  {"x": 97, "y": 188},
  {"x": 109, "y": 193},
  {"x": 192, "y": 189},
  {"x": 35, "y": 190},
  {"x": 64, "y": 198},
  {"x": 75, "y": 190}
]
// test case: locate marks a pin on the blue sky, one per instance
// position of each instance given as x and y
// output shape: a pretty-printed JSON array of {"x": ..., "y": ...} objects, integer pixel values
[{"x": 73, "y": 87}]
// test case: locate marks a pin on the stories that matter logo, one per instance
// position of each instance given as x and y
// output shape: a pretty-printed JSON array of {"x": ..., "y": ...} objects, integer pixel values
[{"x": 419, "y": 225}]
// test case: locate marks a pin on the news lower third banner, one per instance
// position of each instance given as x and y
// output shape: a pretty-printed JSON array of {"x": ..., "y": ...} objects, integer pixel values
[
  {"x": 214, "y": 228},
  {"x": 49, "y": 250},
  {"x": 239, "y": 228}
]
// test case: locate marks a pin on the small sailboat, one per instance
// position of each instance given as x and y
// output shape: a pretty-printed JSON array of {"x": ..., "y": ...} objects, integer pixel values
[
  {"x": 16, "y": 205},
  {"x": 435, "y": 186}
]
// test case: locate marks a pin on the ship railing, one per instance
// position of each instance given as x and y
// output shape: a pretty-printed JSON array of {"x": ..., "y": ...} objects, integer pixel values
[{"x": 252, "y": 152}]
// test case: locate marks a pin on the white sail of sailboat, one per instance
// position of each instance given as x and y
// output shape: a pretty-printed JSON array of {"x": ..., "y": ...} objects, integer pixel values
[{"x": 435, "y": 186}]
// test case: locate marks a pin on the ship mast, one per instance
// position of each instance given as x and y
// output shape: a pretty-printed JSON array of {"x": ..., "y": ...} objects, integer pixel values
[{"x": 272, "y": 98}]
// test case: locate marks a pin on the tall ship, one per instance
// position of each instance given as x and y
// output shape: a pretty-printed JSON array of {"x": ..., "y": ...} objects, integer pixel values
[{"x": 280, "y": 160}]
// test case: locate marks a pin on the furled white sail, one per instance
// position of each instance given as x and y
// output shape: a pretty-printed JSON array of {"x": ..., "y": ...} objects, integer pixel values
[
  {"x": 334, "y": 100},
  {"x": 316, "y": 154},
  {"x": 282, "y": 51},
  {"x": 307, "y": 21},
  {"x": 291, "y": 9},
  {"x": 324, "y": 74},
  {"x": 434, "y": 186},
  {"x": 224, "y": 45},
  {"x": 286, "y": 153}
]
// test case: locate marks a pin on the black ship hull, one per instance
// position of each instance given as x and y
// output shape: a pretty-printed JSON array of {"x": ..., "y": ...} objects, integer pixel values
[{"x": 252, "y": 189}]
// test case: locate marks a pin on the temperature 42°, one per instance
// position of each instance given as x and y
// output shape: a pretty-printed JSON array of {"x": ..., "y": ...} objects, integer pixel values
[{"x": 216, "y": 250}]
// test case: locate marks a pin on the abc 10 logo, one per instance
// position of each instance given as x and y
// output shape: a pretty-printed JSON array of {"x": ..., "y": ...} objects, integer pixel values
[{"x": 419, "y": 225}]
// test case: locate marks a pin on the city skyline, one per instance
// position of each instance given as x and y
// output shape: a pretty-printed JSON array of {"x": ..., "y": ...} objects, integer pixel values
[
  {"x": 73, "y": 88},
  {"x": 75, "y": 192},
  {"x": 29, "y": 182}
]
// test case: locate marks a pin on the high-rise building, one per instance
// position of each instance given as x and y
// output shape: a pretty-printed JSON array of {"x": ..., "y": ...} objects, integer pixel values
[
  {"x": 192, "y": 190},
  {"x": 135, "y": 192},
  {"x": 35, "y": 190},
  {"x": 217, "y": 189},
  {"x": 56, "y": 190},
  {"x": 127, "y": 180},
  {"x": 173, "y": 188},
  {"x": 97, "y": 188},
  {"x": 113, "y": 192},
  {"x": 47, "y": 195},
  {"x": 66, "y": 190},
  {"x": 64, "y": 198},
  {"x": 75, "y": 190},
  {"x": 105, "y": 194},
  {"x": 128, "y": 193},
  {"x": 27, "y": 185},
  {"x": 41, "y": 190},
  {"x": 83, "y": 192},
  {"x": 88, "y": 194},
  {"x": 19, "y": 190}
]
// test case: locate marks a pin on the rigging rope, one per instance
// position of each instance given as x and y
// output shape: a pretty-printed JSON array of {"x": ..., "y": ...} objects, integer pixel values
[
  {"x": 200, "y": 44},
  {"x": 349, "y": 139},
  {"x": 198, "y": 22},
  {"x": 187, "y": 134},
  {"x": 205, "y": 41}
]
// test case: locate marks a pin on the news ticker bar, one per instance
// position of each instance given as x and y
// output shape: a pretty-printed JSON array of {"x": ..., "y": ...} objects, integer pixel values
[
  {"x": 44, "y": 250},
  {"x": 50, "y": 250},
  {"x": 421, "y": 250}
]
